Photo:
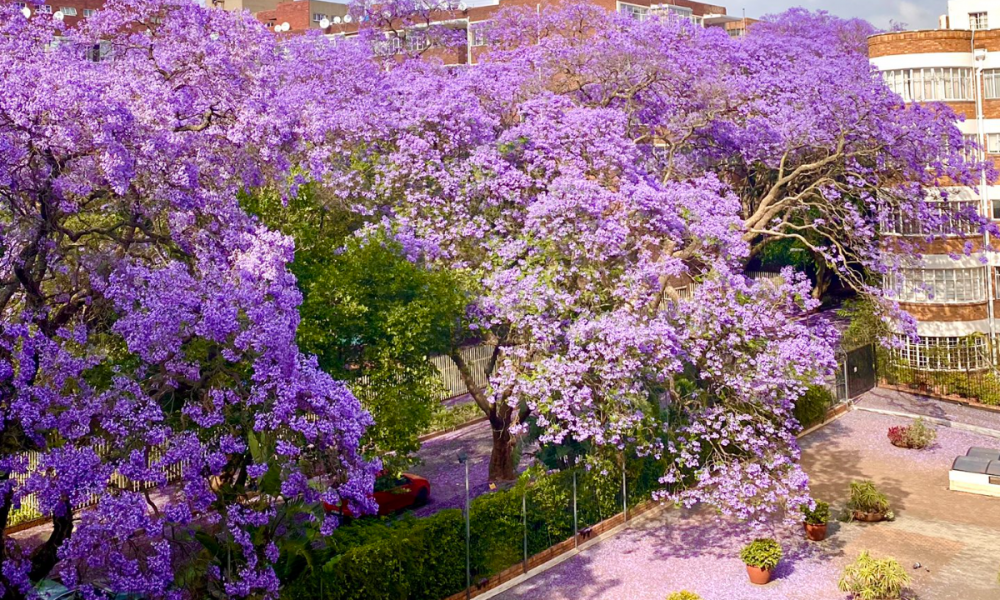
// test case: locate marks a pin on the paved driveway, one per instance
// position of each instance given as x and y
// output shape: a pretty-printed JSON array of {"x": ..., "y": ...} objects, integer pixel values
[{"x": 954, "y": 536}]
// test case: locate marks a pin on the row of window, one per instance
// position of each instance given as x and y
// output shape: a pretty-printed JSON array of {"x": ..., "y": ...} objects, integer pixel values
[
  {"x": 941, "y": 83},
  {"x": 938, "y": 286},
  {"x": 67, "y": 11},
  {"x": 948, "y": 220},
  {"x": 641, "y": 13},
  {"x": 933, "y": 83},
  {"x": 944, "y": 353}
]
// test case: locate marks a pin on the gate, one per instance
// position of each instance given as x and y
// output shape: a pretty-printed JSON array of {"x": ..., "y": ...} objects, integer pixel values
[{"x": 859, "y": 368}]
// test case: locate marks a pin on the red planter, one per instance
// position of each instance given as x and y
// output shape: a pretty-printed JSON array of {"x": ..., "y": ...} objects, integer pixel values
[
  {"x": 816, "y": 533},
  {"x": 758, "y": 576}
]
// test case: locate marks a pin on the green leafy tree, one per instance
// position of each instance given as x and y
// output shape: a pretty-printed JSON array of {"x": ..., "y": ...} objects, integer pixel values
[{"x": 372, "y": 312}]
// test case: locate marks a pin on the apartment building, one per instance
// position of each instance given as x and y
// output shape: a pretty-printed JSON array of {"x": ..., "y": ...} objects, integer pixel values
[
  {"x": 473, "y": 18},
  {"x": 70, "y": 12},
  {"x": 955, "y": 302}
]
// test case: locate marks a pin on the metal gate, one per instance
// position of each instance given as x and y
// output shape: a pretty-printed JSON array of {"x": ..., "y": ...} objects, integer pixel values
[{"x": 860, "y": 370}]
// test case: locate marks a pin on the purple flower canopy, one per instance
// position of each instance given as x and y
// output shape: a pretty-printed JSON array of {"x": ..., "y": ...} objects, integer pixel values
[{"x": 577, "y": 178}]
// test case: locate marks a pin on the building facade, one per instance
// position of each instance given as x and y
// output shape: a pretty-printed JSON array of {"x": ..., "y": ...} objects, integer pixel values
[
  {"x": 955, "y": 302},
  {"x": 473, "y": 18}
]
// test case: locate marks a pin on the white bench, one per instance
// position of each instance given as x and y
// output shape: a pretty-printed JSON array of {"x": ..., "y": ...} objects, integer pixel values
[{"x": 978, "y": 472}]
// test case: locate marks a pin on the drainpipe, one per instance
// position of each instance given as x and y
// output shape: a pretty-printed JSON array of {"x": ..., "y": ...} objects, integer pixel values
[{"x": 979, "y": 56}]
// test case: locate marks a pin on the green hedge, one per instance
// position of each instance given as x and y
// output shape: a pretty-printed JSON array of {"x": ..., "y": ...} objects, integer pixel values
[
  {"x": 812, "y": 406},
  {"x": 411, "y": 558},
  {"x": 424, "y": 559}
]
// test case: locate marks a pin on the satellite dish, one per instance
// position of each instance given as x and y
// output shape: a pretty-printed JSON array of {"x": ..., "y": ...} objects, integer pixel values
[
  {"x": 336, "y": 20},
  {"x": 462, "y": 6},
  {"x": 387, "y": 14},
  {"x": 58, "y": 15},
  {"x": 285, "y": 26},
  {"x": 324, "y": 22},
  {"x": 347, "y": 18},
  {"x": 26, "y": 12}
]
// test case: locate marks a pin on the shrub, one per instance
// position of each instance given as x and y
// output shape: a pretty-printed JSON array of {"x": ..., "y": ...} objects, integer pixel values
[
  {"x": 684, "y": 595},
  {"x": 763, "y": 553},
  {"x": 918, "y": 435},
  {"x": 817, "y": 516},
  {"x": 811, "y": 408},
  {"x": 870, "y": 578},
  {"x": 865, "y": 497}
]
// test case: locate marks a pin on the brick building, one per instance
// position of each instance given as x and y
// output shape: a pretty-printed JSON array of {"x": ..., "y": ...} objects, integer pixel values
[
  {"x": 473, "y": 17},
  {"x": 954, "y": 301},
  {"x": 71, "y": 11}
]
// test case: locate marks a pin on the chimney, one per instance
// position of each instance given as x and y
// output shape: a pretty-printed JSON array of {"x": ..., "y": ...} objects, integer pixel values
[{"x": 943, "y": 22}]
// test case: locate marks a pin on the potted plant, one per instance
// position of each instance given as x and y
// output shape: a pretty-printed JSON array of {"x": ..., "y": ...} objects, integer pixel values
[
  {"x": 815, "y": 521},
  {"x": 867, "y": 503},
  {"x": 874, "y": 578},
  {"x": 918, "y": 435},
  {"x": 761, "y": 556},
  {"x": 684, "y": 595}
]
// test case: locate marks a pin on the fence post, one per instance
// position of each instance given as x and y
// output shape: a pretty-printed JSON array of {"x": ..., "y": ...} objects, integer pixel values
[
  {"x": 576, "y": 533},
  {"x": 624, "y": 493},
  {"x": 524, "y": 524}
]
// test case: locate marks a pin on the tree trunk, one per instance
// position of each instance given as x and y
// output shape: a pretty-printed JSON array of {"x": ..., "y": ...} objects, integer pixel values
[
  {"x": 45, "y": 557},
  {"x": 502, "y": 466},
  {"x": 5, "y": 507}
]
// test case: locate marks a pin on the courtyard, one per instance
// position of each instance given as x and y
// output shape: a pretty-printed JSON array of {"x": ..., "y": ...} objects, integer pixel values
[{"x": 951, "y": 535}]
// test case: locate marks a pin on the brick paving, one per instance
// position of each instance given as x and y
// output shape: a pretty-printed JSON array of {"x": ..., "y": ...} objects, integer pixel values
[{"x": 951, "y": 534}]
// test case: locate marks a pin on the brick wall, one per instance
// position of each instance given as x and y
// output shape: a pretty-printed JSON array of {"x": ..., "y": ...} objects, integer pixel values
[{"x": 947, "y": 312}]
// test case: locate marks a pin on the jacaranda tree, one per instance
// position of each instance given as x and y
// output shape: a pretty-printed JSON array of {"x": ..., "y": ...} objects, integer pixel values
[
  {"x": 603, "y": 182},
  {"x": 148, "y": 324}
]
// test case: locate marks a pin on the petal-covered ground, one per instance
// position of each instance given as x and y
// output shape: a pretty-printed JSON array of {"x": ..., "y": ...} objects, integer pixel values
[
  {"x": 952, "y": 535},
  {"x": 439, "y": 464}
]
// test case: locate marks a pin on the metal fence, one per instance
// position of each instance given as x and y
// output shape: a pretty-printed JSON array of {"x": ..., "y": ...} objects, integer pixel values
[
  {"x": 980, "y": 385},
  {"x": 29, "y": 511},
  {"x": 477, "y": 357}
]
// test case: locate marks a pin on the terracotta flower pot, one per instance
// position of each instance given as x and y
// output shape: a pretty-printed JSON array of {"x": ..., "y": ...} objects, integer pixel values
[
  {"x": 758, "y": 576},
  {"x": 816, "y": 533},
  {"x": 868, "y": 517}
]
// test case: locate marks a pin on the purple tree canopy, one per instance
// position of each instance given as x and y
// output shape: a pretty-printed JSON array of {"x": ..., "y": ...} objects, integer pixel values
[
  {"x": 148, "y": 323},
  {"x": 601, "y": 184},
  {"x": 597, "y": 184}
]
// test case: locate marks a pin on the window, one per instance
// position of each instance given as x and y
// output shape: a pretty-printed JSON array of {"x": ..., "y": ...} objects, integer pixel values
[
  {"x": 481, "y": 33},
  {"x": 944, "y": 353},
  {"x": 992, "y": 143},
  {"x": 100, "y": 51},
  {"x": 991, "y": 83},
  {"x": 89, "y": 12},
  {"x": 946, "y": 219},
  {"x": 639, "y": 13},
  {"x": 977, "y": 20},
  {"x": 388, "y": 46},
  {"x": 68, "y": 11},
  {"x": 938, "y": 286},
  {"x": 918, "y": 85},
  {"x": 317, "y": 17},
  {"x": 417, "y": 41},
  {"x": 44, "y": 9}
]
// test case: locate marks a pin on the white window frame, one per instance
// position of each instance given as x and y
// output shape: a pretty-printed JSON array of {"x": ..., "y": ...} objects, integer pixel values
[
  {"x": 978, "y": 21},
  {"x": 639, "y": 13},
  {"x": 317, "y": 17},
  {"x": 931, "y": 83},
  {"x": 962, "y": 285},
  {"x": 89, "y": 12},
  {"x": 950, "y": 225},
  {"x": 480, "y": 34},
  {"x": 44, "y": 9},
  {"x": 944, "y": 353},
  {"x": 68, "y": 11}
]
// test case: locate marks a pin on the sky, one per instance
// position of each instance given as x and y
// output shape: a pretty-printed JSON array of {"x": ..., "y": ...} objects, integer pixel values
[{"x": 916, "y": 14}]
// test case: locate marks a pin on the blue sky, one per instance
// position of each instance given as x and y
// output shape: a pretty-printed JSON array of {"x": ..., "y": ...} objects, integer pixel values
[{"x": 916, "y": 14}]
